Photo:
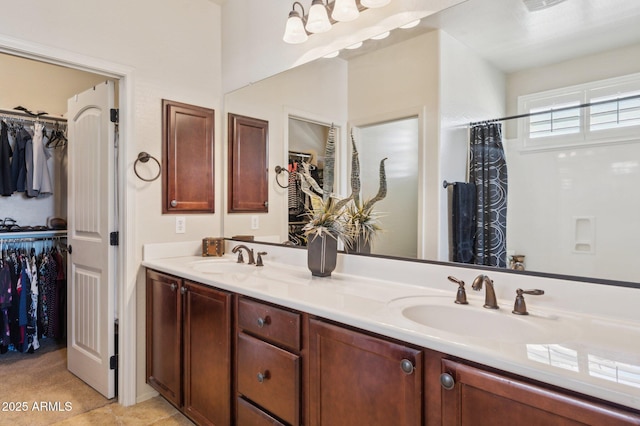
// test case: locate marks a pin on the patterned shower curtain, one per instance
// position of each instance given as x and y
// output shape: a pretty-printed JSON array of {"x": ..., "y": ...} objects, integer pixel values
[{"x": 488, "y": 171}]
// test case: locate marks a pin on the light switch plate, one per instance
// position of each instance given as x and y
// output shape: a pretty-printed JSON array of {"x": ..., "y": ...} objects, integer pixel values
[
  {"x": 255, "y": 222},
  {"x": 181, "y": 224}
]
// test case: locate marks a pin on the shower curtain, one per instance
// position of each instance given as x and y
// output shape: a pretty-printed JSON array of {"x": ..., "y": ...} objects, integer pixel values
[{"x": 488, "y": 171}]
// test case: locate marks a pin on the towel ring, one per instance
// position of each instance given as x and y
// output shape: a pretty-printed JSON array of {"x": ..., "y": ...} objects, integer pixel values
[
  {"x": 143, "y": 157},
  {"x": 278, "y": 170}
]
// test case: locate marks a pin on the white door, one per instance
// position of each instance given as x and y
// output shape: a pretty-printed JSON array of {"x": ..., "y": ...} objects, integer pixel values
[{"x": 91, "y": 260}]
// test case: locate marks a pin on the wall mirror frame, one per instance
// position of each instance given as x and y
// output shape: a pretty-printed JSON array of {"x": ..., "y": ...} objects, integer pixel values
[{"x": 444, "y": 121}]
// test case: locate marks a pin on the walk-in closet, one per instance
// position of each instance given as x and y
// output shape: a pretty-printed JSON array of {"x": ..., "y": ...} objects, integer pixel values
[{"x": 34, "y": 204}]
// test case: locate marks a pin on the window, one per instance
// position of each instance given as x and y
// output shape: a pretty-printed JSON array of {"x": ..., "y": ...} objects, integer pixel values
[{"x": 558, "y": 117}]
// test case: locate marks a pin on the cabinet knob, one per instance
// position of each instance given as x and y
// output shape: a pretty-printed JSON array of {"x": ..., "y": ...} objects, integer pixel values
[
  {"x": 266, "y": 204},
  {"x": 183, "y": 290},
  {"x": 406, "y": 366},
  {"x": 447, "y": 381},
  {"x": 263, "y": 321},
  {"x": 174, "y": 203},
  {"x": 173, "y": 286},
  {"x": 263, "y": 376}
]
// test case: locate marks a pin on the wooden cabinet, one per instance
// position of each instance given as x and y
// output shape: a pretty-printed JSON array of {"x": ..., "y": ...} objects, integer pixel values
[
  {"x": 248, "y": 178},
  {"x": 189, "y": 347},
  {"x": 188, "y": 158},
  {"x": 268, "y": 373},
  {"x": 291, "y": 369},
  {"x": 358, "y": 379},
  {"x": 480, "y": 397}
]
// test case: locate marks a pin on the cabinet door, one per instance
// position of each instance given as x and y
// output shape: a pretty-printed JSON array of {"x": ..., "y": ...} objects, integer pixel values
[
  {"x": 188, "y": 174},
  {"x": 481, "y": 397},
  {"x": 207, "y": 354},
  {"x": 163, "y": 335},
  {"x": 357, "y": 379},
  {"x": 248, "y": 189}
]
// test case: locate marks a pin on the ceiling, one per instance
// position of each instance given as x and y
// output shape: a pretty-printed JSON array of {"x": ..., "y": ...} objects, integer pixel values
[
  {"x": 507, "y": 34},
  {"x": 512, "y": 38}
]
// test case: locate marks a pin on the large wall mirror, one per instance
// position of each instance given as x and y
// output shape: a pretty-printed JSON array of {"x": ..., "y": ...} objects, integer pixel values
[{"x": 411, "y": 97}]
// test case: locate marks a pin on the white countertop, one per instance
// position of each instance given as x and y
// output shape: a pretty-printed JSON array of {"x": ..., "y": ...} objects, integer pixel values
[{"x": 594, "y": 355}]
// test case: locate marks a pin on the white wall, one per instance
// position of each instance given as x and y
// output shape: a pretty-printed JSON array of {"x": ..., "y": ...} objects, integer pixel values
[
  {"x": 315, "y": 91},
  {"x": 555, "y": 186},
  {"x": 174, "y": 50},
  {"x": 471, "y": 89}
]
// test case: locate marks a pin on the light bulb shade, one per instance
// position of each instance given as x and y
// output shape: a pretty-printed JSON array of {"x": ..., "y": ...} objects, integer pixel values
[
  {"x": 294, "y": 32},
  {"x": 372, "y": 4},
  {"x": 345, "y": 10},
  {"x": 318, "y": 20}
]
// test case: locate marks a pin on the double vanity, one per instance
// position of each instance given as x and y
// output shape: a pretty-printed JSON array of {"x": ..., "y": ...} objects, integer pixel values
[{"x": 383, "y": 341}]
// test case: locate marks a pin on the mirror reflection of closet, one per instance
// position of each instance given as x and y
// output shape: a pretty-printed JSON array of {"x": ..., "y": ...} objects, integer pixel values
[{"x": 307, "y": 141}]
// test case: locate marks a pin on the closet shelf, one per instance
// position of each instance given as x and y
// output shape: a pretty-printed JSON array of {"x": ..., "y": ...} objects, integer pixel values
[{"x": 32, "y": 234}]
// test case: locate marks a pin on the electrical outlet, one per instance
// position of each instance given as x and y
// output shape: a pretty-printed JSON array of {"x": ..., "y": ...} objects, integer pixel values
[
  {"x": 255, "y": 222},
  {"x": 181, "y": 224}
]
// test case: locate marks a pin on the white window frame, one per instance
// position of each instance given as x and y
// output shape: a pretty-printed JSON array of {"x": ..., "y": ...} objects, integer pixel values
[{"x": 581, "y": 94}]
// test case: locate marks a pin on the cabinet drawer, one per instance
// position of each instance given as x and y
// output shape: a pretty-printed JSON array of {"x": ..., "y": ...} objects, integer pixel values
[
  {"x": 270, "y": 377},
  {"x": 250, "y": 415},
  {"x": 275, "y": 325}
]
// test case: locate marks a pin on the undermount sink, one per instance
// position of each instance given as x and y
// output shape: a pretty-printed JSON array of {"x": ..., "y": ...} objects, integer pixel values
[
  {"x": 219, "y": 265},
  {"x": 474, "y": 321}
]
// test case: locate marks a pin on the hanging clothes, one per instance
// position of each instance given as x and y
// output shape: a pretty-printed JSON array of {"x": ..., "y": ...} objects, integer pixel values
[
  {"x": 5, "y": 161},
  {"x": 41, "y": 180},
  {"x": 31, "y": 300},
  {"x": 18, "y": 163}
]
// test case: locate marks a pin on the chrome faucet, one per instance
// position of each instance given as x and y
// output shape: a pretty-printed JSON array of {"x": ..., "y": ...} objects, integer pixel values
[
  {"x": 238, "y": 249},
  {"x": 489, "y": 293}
]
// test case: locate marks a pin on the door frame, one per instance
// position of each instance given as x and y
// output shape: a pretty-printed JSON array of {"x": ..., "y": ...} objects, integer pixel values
[{"x": 126, "y": 271}]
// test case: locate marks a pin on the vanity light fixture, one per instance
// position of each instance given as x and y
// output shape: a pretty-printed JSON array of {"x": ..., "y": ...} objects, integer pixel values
[
  {"x": 300, "y": 26},
  {"x": 318, "y": 19},
  {"x": 372, "y": 4},
  {"x": 345, "y": 10},
  {"x": 295, "y": 32}
]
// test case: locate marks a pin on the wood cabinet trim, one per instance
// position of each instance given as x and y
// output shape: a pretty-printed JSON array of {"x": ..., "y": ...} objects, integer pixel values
[
  {"x": 191, "y": 185},
  {"x": 248, "y": 165}
]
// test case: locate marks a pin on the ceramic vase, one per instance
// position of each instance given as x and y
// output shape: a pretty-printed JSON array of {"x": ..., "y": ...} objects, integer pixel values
[
  {"x": 322, "y": 254},
  {"x": 359, "y": 245}
]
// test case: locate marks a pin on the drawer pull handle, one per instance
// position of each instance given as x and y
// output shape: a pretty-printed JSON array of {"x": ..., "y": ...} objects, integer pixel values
[
  {"x": 406, "y": 366},
  {"x": 263, "y": 321},
  {"x": 447, "y": 381},
  {"x": 263, "y": 376}
]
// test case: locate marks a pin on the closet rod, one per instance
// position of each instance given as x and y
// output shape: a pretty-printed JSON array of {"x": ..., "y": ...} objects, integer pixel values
[
  {"x": 547, "y": 111},
  {"x": 5, "y": 113}
]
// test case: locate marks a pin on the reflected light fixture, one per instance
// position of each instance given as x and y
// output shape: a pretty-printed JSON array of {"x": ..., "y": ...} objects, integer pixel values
[
  {"x": 354, "y": 46},
  {"x": 294, "y": 32},
  {"x": 410, "y": 24},
  {"x": 381, "y": 36},
  {"x": 300, "y": 26}
]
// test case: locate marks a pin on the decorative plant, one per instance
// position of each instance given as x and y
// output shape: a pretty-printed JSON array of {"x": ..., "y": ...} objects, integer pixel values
[
  {"x": 360, "y": 219},
  {"x": 325, "y": 214}
]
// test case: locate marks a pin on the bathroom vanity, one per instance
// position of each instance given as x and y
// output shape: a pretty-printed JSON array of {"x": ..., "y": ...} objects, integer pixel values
[{"x": 231, "y": 343}]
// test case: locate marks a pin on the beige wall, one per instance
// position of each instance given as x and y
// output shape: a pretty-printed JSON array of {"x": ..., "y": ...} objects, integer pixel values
[{"x": 316, "y": 92}]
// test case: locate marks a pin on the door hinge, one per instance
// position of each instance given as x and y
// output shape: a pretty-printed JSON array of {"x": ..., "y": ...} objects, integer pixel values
[
  {"x": 113, "y": 362},
  {"x": 115, "y": 115},
  {"x": 114, "y": 238}
]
